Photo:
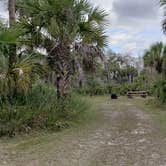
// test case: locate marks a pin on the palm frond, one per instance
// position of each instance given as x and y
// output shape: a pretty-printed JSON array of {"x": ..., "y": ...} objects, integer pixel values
[
  {"x": 22, "y": 75},
  {"x": 89, "y": 55},
  {"x": 98, "y": 16},
  {"x": 163, "y": 4}
]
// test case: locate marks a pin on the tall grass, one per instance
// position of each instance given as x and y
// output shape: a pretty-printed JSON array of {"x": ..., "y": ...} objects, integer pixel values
[{"x": 39, "y": 109}]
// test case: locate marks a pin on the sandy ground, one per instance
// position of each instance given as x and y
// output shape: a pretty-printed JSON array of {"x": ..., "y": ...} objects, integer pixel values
[{"x": 121, "y": 135}]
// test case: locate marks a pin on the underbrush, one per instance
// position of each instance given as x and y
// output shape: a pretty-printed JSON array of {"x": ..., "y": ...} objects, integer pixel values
[
  {"x": 39, "y": 110},
  {"x": 93, "y": 90},
  {"x": 120, "y": 89},
  {"x": 160, "y": 91}
]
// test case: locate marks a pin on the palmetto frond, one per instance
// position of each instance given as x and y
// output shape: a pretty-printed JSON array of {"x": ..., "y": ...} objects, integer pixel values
[
  {"x": 98, "y": 16},
  {"x": 22, "y": 74},
  {"x": 148, "y": 60},
  {"x": 88, "y": 55},
  {"x": 163, "y": 4},
  {"x": 154, "y": 57}
]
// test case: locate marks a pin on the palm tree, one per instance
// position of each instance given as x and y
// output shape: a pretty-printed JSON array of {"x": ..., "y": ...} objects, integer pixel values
[
  {"x": 154, "y": 58},
  {"x": 149, "y": 61},
  {"x": 131, "y": 73},
  {"x": 18, "y": 77},
  {"x": 115, "y": 62},
  {"x": 23, "y": 74},
  {"x": 71, "y": 31}
]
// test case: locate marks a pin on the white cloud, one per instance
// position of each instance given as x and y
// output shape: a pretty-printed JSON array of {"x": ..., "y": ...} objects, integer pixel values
[
  {"x": 134, "y": 25},
  {"x": 3, "y": 11},
  {"x": 118, "y": 38},
  {"x": 130, "y": 47},
  {"x": 105, "y": 4}
]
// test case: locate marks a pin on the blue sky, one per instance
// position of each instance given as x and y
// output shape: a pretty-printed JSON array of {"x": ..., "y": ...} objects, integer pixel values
[{"x": 132, "y": 25}]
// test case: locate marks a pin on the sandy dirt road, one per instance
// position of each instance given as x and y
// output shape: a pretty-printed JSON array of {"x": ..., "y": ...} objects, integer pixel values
[{"x": 121, "y": 135}]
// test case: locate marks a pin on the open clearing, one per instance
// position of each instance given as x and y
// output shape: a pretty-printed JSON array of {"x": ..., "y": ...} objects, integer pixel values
[{"x": 121, "y": 134}]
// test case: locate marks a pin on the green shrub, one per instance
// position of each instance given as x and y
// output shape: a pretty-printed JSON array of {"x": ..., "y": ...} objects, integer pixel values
[
  {"x": 160, "y": 91},
  {"x": 39, "y": 110},
  {"x": 93, "y": 90},
  {"x": 120, "y": 89}
]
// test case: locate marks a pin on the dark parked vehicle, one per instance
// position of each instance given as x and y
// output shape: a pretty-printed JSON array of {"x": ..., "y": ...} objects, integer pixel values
[{"x": 114, "y": 96}]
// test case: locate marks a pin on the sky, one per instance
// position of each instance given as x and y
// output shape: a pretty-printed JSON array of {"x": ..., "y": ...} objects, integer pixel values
[{"x": 133, "y": 25}]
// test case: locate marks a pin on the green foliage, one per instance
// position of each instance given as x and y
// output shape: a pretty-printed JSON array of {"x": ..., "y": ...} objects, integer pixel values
[
  {"x": 120, "y": 89},
  {"x": 126, "y": 87},
  {"x": 39, "y": 110},
  {"x": 24, "y": 71},
  {"x": 21, "y": 76},
  {"x": 119, "y": 69},
  {"x": 160, "y": 91},
  {"x": 154, "y": 57},
  {"x": 55, "y": 26},
  {"x": 95, "y": 88},
  {"x": 93, "y": 91},
  {"x": 92, "y": 87}
]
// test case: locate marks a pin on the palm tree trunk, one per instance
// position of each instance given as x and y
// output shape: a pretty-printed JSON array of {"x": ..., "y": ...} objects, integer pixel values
[
  {"x": 63, "y": 82},
  {"x": 60, "y": 61},
  {"x": 80, "y": 75},
  {"x": 12, "y": 19},
  {"x": 107, "y": 71},
  {"x": 12, "y": 12}
]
